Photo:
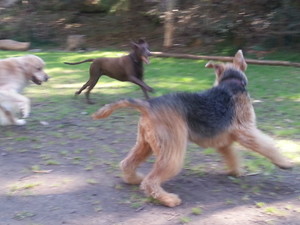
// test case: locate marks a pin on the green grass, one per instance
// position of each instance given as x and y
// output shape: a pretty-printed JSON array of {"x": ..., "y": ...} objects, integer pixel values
[
  {"x": 197, "y": 211},
  {"x": 276, "y": 87},
  {"x": 185, "y": 220}
]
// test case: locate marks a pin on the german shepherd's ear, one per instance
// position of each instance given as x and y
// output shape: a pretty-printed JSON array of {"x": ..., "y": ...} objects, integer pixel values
[
  {"x": 219, "y": 67},
  {"x": 239, "y": 61}
]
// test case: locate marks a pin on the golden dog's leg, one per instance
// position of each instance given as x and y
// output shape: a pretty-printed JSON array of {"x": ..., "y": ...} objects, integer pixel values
[
  {"x": 6, "y": 118},
  {"x": 24, "y": 107},
  {"x": 231, "y": 159},
  {"x": 137, "y": 155},
  {"x": 18, "y": 104},
  {"x": 261, "y": 143},
  {"x": 23, "y": 104},
  {"x": 169, "y": 146}
]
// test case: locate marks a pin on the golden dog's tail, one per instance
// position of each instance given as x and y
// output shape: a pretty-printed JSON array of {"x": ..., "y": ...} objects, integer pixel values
[
  {"x": 84, "y": 61},
  {"x": 107, "y": 110}
]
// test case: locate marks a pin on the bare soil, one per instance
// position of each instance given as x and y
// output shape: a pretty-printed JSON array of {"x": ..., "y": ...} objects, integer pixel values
[{"x": 64, "y": 170}]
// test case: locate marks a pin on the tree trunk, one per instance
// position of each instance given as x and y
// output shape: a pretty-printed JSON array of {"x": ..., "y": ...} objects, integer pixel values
[{"x": 169, "y": 24}]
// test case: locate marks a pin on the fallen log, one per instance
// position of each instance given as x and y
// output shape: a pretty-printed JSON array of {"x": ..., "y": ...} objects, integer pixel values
[
  {"x": 226, "y": 59},
  {"x": 7, "y": 44}
]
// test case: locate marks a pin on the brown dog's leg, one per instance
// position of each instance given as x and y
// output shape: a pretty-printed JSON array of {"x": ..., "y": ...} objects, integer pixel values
[
  {"x": 82, "y": 88},
  {"x": 91, "y": 86},
  {"x": 142, "y": 84},
  {"x": 231, "y": 159},
  {"x": 95, "y": 74},
  {"x": 259, "y": 142},
  {"x": 137, "y": 155},
  {"x": 145, "y": 94},
  {"x": 168, "y": 144}
]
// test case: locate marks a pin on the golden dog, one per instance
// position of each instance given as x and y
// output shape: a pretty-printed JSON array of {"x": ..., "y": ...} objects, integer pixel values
[{"x": 15, "y": 75}]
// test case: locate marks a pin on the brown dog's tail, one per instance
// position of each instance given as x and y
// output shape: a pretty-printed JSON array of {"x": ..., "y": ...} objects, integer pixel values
[
  {"x": 84, "y": 61},
  {"x": 107, "y": 110}
]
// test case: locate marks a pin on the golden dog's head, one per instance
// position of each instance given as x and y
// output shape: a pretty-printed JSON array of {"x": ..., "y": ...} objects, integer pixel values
[{"x": 33, "y": 67}]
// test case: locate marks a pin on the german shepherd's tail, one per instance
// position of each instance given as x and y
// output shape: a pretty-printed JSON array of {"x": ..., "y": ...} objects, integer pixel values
[
  {"x": 107, "y": 110},
  {"x": 84, "y": 61}
]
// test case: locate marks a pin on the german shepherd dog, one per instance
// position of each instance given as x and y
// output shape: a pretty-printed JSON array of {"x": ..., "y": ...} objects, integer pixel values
[
  {"x": 215, "y": 118},
  {"x": 126, "y": 68}
]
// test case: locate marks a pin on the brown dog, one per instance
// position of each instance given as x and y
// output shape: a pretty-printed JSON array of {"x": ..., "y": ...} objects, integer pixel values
[
  {"x": 126, "y": 68},
  {"x": 215, "y": 118}
]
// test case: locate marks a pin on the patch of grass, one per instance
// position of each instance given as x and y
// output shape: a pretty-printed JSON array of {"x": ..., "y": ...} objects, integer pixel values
[
  {"x": 118, "y": 187},
  {"x": 136, "y": 205},
  {"x": 197, "y": 211},
  {"x": 229, "y": 202},
  {"x": 198, "y": 170},
  {"x": 64, "y": 153},
  {"x": 23, "y": 215},
  {"x": 92, "y": 181},
  {"x": 52, "y": 162},
  {"x": 137, "y": 200},
  {"x": 153, "y": 200},
  {"x": 98, "y": 209},
  {"x": 185, "y": 220},
  {"x": 260, "y": 204},
  {"x": 26, "y": 186},
  {"x": 246, "y": 197},
  {"x": 209, "y": 151},
  {"x": 77, "y": 158},
  {"x": 89, "y": 167},
  {"x": 255, "y": 189},
  {"x": 257, "y": 163},
  {"x": 35, "y": 168},
  {"x": 274, "y": 211},
  {"x": 45, "y": 156},
  {"x": 24, "y": 138}
]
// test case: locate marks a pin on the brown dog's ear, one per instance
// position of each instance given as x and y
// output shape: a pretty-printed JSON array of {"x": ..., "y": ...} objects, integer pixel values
[
  {"x": 239, "y": 61},
  {"x": 219, "y": 68},
  {"x": 141, "y": 41},
  {"x": 134, "y": 45}
]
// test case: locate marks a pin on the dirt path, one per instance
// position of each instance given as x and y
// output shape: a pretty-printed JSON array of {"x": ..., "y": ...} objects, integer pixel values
[{"x": 66, "y": 171}]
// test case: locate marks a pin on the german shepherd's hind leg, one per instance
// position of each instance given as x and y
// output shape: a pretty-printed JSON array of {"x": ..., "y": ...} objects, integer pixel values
[
  {"x": 232, "y": 160},
  {"x": 139, "y": 153},
  {"x": 169, "y": 147},
  {"x": 261, "y": 143}
]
